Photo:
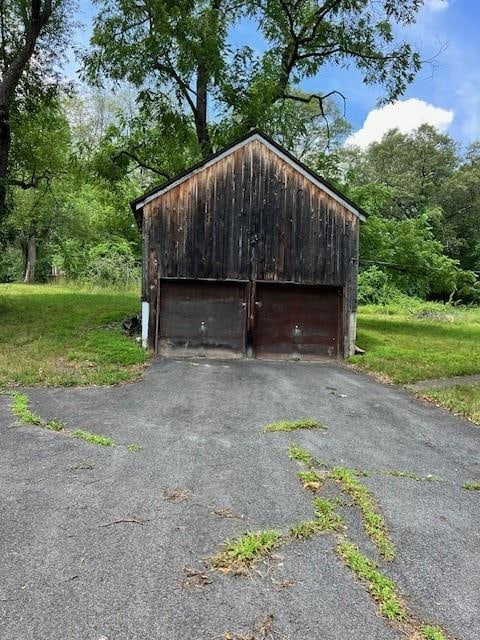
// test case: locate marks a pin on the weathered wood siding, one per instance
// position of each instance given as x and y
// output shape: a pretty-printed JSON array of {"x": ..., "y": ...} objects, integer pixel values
[{"x": 250, "y": 216}]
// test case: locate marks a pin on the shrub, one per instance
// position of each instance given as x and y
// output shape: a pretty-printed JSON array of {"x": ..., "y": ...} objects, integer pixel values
[
  {"x": 11, "y": 264},
  {"x": 375, "y": 287},
  {"x": 111, "y": 263}
]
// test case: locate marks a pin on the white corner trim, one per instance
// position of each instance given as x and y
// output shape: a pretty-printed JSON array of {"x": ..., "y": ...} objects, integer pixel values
[
  {"x": 145, "y": 318},
  {"x": 272, "y": 148}
]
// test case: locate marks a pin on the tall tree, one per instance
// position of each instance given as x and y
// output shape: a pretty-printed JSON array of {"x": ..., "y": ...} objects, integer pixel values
[
  {"x": 179, "y": 55},
  {"x": 32, "y": 35},
  {"x": 460, "y": 198},
  {"x": 40, "y": 147}
]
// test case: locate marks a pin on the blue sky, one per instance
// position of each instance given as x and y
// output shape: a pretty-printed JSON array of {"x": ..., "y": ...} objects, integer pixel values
[{"x": 446, "y": 94}]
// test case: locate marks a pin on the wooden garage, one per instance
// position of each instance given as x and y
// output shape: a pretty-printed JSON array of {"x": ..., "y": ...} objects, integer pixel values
[{"x": 249, "y": 253}]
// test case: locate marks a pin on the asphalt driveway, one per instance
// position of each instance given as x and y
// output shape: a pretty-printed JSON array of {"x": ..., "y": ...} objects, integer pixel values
[{"x": 64, "y": 575}]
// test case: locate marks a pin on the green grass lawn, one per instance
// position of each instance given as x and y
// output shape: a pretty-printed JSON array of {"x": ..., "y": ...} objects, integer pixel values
[
  {"x": 403, "y": 348},
  {"x": 461, "y": 399},
  {"x": 61, "y": 335}
]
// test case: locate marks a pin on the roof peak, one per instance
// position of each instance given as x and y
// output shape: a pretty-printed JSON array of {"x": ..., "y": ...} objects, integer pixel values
[{"x": 253, "y": 134}]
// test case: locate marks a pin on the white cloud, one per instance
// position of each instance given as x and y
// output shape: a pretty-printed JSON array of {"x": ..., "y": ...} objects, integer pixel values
[
  {"x": 436, "y": 5},
  {"x": 404, "y": 115}
]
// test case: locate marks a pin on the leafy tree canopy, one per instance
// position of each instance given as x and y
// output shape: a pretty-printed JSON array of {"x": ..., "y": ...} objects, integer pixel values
[{"x": 180, "y": 57}]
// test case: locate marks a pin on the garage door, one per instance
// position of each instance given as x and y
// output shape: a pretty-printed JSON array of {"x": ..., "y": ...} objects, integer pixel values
[
  {"x": 296, "y": 321},
  {"x": 198, "y": 316}
]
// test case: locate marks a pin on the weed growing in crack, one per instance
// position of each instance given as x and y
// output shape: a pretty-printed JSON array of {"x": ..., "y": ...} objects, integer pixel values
[
  {"x": 132, "y": 448},
  {"x": 305, "y": 529},
  {"x": 373, "y": 522},
  {"x": 54, "y": 425},
  {"x": 326, "y": 516},
  {"x": 293, "y": 425},
  {"x": 296, "y": 452},
  {"x": 410, "y": 475},
  {"x": 430, "y": 632},
  {"x": 20, "y": 409},
  {"x": 381, "y": 587},
  {"x": 310, "y": 479},
  {"x": 471, "y": 486},
  {"x": 92, "y": 438},
  {"x": 241, "y": 553}
]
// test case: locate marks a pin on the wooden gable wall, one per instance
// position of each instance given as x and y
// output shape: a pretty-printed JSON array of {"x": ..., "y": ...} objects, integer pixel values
[{"x": 251, "y": 215}]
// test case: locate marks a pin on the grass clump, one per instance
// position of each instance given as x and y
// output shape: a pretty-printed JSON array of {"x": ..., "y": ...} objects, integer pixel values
[
  {"x": 242, "y": 552},
  {"x": 296, "y": 452},
  {"x": 471, "y": 486},
  {"x": 373, "y": 522},
  {"x": 381, "y": 587},
  {"x": 54, "y": 425},
  {"x": 293, "y": 425},
  {"x": 132, "y": 448},
  {"x": 20, "y": 409},
  {"x": 395, "y": 473},
  {"x": 92, "y": 438},
  {"x": 325, "y": 515},
  {"x": 430, "y": 632},
  {"x": 305, "y": 529},
  {"x": 310, "y": 480},
  {"x": 462, "y": 399}
]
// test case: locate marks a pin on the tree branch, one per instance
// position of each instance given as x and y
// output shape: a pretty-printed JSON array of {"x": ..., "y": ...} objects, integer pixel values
[
  {"x": 320, "y": 99},
  {"x": 141, "y": 163},
  {"x": 33, "y": 183},
  {"x": 185, "y": 89}
]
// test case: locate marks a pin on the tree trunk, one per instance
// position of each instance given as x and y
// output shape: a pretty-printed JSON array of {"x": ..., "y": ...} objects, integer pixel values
[
  {"x": 201, "y": 123},
  {"x": 5, "y": 141},
  {"x": 31, "y": 259}
]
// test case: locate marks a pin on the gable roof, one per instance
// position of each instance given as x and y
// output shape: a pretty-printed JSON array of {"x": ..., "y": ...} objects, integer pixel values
[{"x": 254, "y": 134}]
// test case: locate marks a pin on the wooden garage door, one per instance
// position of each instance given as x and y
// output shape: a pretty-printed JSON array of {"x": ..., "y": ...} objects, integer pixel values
[
  {"x": 297, "y": 321},
  {"x": 197, "y": 315}
]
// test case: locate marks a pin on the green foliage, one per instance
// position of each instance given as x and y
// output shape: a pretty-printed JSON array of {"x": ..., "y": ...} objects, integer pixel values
[
  {"x": 430, "y": 632},
  {"x": 305, "y": 529},
  {"x": 11, "y": 264},
  {"x": 423, "y": 201},
  {"x": 133, "y": 448},
  {"x": 325, "y": 515},
  {"x": 295, "y": 452},
  {"x": 375, "y": 287},
  {"x": 463, "y": 399},
  {"x": 92, "y": 438},
  {"x": 111, "y": 263},
  {"x": 410, "y": 168},
  {"x": 405, "y": 348},
  {"x": 294, "y": 425},
  {"x": 186, "y": 44},
  {"x": 383, "y": 589},
  {"x": 21, "y": 410},
  {"x": 373, "y": 522},
  {"x": 58, "y": 335},
  {"x": 419, "y": 264},
  {"x": 245, "y": 550},
  {"x": 471, "y": 486}
]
